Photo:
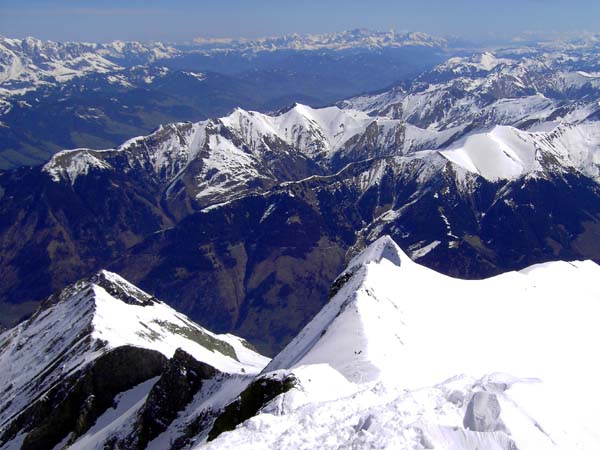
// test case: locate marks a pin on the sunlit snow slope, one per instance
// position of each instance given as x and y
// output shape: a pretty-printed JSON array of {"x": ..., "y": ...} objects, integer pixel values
[
  {"x": 88, "y": 319},
  {"x": 404, "y": 357}
]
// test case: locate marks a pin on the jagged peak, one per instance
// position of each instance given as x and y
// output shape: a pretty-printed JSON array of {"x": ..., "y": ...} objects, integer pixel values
[
  {"x": 89, "y": 291},
  {"x": 357, "y": 322},
  {"x": 104, "y": 312},
  {"x": 384, "y": 248},
  {"x": 389, "y": 314},
  {"x": 121, "y": 289}
]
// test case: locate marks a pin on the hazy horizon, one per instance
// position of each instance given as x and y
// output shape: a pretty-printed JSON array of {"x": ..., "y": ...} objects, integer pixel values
[{"x": 183, "y": 20}]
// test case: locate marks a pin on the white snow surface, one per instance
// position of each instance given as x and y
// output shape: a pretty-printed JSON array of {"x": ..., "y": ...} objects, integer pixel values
[
  {"x": 26, "y": 64},
  {"x": 55, "y": 342},
  {"x": 156, "y": 327},
  {"x": 509, "y": 153},
  {"x": 400, "y": 352}
]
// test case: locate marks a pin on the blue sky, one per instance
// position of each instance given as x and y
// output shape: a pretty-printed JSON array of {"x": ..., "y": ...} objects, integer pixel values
[{"x": 178, "y": 20}]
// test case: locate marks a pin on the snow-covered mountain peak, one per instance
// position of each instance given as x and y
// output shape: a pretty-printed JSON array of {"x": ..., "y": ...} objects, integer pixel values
[
  {"x": 121, "y": 289},
  {"x": 70, "y": 164},
  {"x": 320, "y": 132},
  {"x": 383, "y": 248},
  {"x": 429, "y": 361},
  {"x": 480, "y": 62},
  {"x": 488, "y": 60},
  {"x": 93, "y": 317},
  {"x": 309, "y": 129},
  {"x": 411, "y": 325}
]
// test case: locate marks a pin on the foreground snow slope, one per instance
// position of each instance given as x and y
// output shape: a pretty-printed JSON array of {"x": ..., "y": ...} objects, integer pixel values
[
  {"x": 88, "y": 319},
  {"x": 403, "y": 357},
  {"x": 396, "y": 317}
]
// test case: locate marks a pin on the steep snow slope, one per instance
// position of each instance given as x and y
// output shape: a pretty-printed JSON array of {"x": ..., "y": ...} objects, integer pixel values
[
  {"x": 403, "y": 357},
  {"x": 88, "y": 319},
  {"x": 380, "y": 311},
  {"x": 506, "y": 153}
]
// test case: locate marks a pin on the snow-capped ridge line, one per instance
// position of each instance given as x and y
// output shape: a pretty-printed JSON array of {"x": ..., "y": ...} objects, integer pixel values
[
  {"x": 349, "y": 300},
  {"x": 487, "y": 363},
  {"x": 383, "y": 248},
  {"x": 345, "y": 40},
  {"x": 248, "y": 152},
  {"x": 369, "y": 328}
]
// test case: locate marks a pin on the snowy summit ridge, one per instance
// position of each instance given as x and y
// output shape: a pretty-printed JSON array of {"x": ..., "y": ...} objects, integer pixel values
[
  {"x": 400, "y": 357},
  {"x": 404, "y": 357},
  {"x": 349, "y": 333},
  {"x": 92, "y": 317},
  {"x": 383, "y": 248}
]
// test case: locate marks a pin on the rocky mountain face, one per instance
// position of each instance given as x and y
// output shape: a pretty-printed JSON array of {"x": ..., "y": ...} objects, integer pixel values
[
  {"x": 388, "y": 361},
  {"x": 242, "y": 220},
  {"x": 102, "y": 361}
]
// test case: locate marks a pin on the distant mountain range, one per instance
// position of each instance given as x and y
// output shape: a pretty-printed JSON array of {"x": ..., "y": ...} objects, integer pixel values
[
  {"x": 26, "y": 64},
  {"x": 64, "y": 95},
  {"x": 351, "y": 39}
]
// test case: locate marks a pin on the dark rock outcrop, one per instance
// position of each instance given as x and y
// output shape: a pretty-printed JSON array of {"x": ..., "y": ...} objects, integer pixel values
[
  {"x": 182, "y": 379},
  {"x": 260, "y": 392},
  {"x": 483, "y": 413},
  {"x": 73, "y": 405}
]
